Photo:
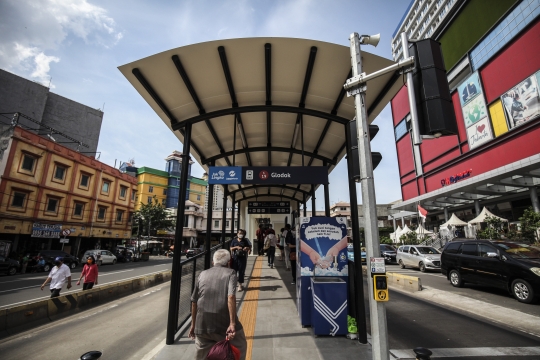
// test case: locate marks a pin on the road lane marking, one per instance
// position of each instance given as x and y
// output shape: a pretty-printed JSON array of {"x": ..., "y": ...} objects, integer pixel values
[
  {"x": 116, "y": 272},
  {"x": 248, "y": 314},
  {"x": 32, "y": 278},
  {"x": 27, "y": 287},
  {"x": 471, "y": 352}
]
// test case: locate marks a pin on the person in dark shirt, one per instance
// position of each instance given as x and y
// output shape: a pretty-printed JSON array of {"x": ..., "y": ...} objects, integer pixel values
[{"x": 240, "y": 249}]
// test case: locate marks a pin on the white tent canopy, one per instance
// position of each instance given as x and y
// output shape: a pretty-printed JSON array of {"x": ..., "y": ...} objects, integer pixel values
[
  {"x": 482, "y": 217},
  {"x": 403, "y": 232},
  {"x": 393, "y": 235},
  {"x": 454, "y": 221},
  {"x": 421, "y": 230}
]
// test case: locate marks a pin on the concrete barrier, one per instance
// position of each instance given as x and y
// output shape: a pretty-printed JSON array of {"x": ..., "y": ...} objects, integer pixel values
[
  {"x": 3, "y": 331},
  {"x": 24, "y": 317},
  {"x": 405, "y": 282},
  {"x": 124, "y": 288},
  {"x": 61, "y": 306},
  {"x": 150, "y": 281},
  {"x": 158, "y": 278},
  {"x": 88, "y": 298},
  {"x": 138, "y": 284},
  {"x": 167, "y": 275},
  {"x": 108, "y": 292}
]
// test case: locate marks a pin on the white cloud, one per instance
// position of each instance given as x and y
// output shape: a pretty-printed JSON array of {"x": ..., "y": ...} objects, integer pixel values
[{"x": 32, "y": 30}]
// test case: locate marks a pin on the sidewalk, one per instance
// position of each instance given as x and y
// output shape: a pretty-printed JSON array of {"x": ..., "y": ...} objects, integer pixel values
[{"x": 268, "y": 314}]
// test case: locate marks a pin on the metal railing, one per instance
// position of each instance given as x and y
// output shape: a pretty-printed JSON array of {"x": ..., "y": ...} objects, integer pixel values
[{"x": 190, "y": 270}]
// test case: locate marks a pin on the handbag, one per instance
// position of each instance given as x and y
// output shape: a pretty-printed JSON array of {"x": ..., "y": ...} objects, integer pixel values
[
  {"x": 221, "y": 351},
  {"x": 240, "y": 253},
  {"x": 292, "y": 255},
  {"x": 266, "y": 244}
]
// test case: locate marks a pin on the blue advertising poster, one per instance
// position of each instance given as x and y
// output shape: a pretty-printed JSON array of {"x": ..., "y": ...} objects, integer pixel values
[
  {"x": 224, "y": 175},
  {"x": 323, "y": 246}
]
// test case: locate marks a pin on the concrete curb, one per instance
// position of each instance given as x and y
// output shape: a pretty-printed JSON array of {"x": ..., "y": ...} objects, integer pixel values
[
  {"x": 24, "y": 317},
  {"x": 405, "y": 282}
]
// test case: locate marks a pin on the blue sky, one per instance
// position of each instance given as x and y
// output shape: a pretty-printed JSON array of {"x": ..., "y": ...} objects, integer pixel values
[{"x": 80, "y": 43}]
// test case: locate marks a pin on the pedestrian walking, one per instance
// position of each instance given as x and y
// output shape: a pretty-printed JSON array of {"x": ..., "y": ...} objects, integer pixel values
[
  {"x": 270, "y": 243},
  {"x": 25, "y": 261},
  {"x": 213, "y": 308},
  {"x": 259, "y": 234},
  {"x": 57, "y": 277},
  {"x": 90, "y": 273},
  {"x": 240, "y": 249},
  {"x": 286, "y": 249},
  {"x": 291, "y": 242}
]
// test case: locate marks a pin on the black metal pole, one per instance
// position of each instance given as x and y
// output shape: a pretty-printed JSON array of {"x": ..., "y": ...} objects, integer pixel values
[
  {"x": 224, "y": 217},
  {"x": 239, "y": 203},
  {"x": 208, "y": 238},
  {"x": 174, "y": 298},
  {"x": 358, "y": 274},
  {"x": 232, "y": 215},
  {"x": 313, "y": 211},
  {"x": 326, "y": 196},
  {"x": 305, "y": 204}
]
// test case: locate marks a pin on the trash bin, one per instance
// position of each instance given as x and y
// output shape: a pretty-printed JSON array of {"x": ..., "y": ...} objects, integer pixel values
[
  {"x": 145, "y": 256},
  {"x": 329, "y": 308}
]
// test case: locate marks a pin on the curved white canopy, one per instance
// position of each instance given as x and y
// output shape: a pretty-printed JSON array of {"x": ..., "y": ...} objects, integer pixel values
[
  {"x": 393, "y": 235},
  {"x": 482, "y": 217},
  {"x": 421, "y": 230},
  {"x": 454, "y": 221}
]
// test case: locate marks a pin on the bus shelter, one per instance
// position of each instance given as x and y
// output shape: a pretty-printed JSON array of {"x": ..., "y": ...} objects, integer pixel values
[{"x": 257, "y": 103}]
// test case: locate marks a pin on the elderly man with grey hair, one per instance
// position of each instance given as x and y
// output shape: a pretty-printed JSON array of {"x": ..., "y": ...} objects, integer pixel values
[{"x": 213, "y": 308}]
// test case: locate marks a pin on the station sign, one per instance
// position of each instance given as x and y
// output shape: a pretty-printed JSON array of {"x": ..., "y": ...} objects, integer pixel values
[
  {"x": 269, "y": 207},
  {"x": 267, "y": 175}
]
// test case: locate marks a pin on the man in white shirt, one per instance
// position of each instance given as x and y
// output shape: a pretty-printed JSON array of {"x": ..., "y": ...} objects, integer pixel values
[{"x": 57, "y": 277}]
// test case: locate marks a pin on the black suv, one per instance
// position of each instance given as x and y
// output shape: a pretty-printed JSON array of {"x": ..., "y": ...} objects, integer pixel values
[
  {"x": 388, "y": 252},
  {"x": 50, "y": 255},
  {"x": 499, "y": 263},
  {"x": 8, "y": 266}
]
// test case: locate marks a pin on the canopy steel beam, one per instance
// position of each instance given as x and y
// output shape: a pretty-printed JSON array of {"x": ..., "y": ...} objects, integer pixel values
[
  {"x": 232, "y": 93},
  {"x": 268, "y": 76},
  {"x": 305, "y": 87},
  {"x": 277, "y": 186},
  {"x": 263, "y": 149},
  {"x": 261, "y": 108}
]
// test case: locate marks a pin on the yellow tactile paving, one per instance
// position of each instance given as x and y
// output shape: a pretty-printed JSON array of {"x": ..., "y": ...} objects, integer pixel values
[{"x": 248, "y": 313}]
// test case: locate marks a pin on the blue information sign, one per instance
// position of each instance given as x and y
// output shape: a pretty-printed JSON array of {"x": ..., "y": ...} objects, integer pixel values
[{"x": 224, "y": 175}]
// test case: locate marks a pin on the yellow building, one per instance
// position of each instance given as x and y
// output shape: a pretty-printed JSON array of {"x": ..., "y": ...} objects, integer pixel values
[
  {"x": 46, "y": 189},
  {"x": 150, "y": 183},
  {"x": 197, "y": 190}
]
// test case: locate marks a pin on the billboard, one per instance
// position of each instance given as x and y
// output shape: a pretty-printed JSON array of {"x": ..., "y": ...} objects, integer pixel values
[
  {"x": 522, "y": 102},
  {"x": 46, "y": 230},
  {"x": 480, "y": 133}
]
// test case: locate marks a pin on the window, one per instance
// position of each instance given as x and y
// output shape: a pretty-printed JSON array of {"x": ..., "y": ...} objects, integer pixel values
[
  {"x": 52, "y": 205},
  {"x": 484, "y": 249},
  {"x": 452, "y": 248},
  {"x": 130, "y": 217},
  {"x": 150, "y": 189},
  {"x": 343, "y": 209},
  {"x": 186, "y": 221},
  {"x": 236, "y": 224},
  {"x": 105, "y": 187},
  {"x": 18, "y": 199},
  {"x": 401, "y": 128},
  {"x": 119, "y": 215},
  {"x": 149, "y": 199},
  {"x": 101, "y": 213},
  {"x": 123, "y": 192},
  {"x": 60, "y": 172},
  {"x": 216, "y": 223},
  {"x": 164, "y": 191},
  {"x": 85, "y": 180},
  {"x": 78, "y": 209},
  {"x": 198, "y": 197},
  {"x": 227, "y": 223},
  {"x": 468, "y": 249},
  {"x": 28, "y": 163},
  {"x": 163, "y": 202},
  {"x": 133, "y": 193}
]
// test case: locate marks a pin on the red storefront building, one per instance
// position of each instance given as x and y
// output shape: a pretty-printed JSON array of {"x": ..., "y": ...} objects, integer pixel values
[{"x": 492, "y": 56}]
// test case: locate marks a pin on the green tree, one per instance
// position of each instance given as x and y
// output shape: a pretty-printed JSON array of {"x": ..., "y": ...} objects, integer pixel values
[
  {"x": 385, "y": 240},
  {"x": 153, "y": 217},
  {"x": 493, "y": 229},
  {"x": 530, "y": 222},
  {"x": 409, "y": 238}
]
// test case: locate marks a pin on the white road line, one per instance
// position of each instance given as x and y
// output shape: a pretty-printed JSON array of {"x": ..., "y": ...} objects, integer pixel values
[
  {"x": 31, "y": 278},
  {"x": 27, "y": 287},
  {"x": 161, "y": 265},
  {"x": 472, "y": 352},
  {"x": 116, "y": 272}
]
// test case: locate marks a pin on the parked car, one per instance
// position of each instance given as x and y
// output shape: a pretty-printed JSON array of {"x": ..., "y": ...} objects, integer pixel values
[
  {"x": 389, "y": 253},
  {"x": 50, "y": 255},
  {"x": 102, "y": 257},
  {"x": 350, "y": 253},
  {"x": 508, "y": 265},
  {"x": 421, "y": 257},
  {"x": 8, "y": 266},
  {"x": 193, "y": 252}
]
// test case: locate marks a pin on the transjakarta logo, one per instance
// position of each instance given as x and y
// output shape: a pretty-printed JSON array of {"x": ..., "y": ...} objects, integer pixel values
[
  {"x": 232, "y": 173},
  {"x": 454, "y": 179},
  {"x": 263, "y": 175}
]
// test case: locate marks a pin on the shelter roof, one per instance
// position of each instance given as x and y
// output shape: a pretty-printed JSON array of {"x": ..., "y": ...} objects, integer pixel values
[{"x": 247, "y": 99}]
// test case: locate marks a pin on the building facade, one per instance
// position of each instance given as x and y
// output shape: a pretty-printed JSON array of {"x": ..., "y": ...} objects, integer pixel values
[
  {"x": 492, "y": 55},
  {"x": 47, "y": 189}
]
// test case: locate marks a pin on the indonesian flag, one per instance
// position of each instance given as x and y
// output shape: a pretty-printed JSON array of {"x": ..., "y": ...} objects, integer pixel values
[{"x": 422, "y": 212}]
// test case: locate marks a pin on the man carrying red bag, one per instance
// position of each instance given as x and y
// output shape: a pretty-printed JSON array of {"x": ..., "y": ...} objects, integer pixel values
[{"x": 213, "y": 308}]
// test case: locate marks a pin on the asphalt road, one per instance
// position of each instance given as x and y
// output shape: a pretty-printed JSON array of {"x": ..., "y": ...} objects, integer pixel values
[
  {"x": 490, "y": 295},
  {"x": 22, "y": 288}
]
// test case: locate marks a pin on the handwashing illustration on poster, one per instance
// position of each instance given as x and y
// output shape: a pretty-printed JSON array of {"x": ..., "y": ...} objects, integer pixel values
[{"x": 323, "y": 246}]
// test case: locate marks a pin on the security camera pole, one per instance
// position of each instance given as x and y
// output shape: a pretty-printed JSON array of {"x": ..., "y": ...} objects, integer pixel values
[{"x": 357, "y": 87}]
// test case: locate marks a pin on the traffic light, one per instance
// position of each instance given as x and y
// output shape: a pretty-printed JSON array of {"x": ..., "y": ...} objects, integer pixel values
[
  {"x": 433, "y": 100},
  {"x": 376, "y": 157}
]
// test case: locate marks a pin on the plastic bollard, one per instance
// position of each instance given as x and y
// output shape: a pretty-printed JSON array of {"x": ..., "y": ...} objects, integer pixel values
[{"x": 422, "y": 353}]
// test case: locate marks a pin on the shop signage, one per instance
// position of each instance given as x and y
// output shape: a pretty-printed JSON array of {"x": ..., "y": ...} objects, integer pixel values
[
  {"x": 46, "y": 230},
  {"x": 454, "y": 179},
  {"x": 267, "y": 175}
]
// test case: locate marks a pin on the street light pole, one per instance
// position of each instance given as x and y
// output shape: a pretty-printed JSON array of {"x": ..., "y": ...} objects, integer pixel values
[{"x": 377, "y": 311}]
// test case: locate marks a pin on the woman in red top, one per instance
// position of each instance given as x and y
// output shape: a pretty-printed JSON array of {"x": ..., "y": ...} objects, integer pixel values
[{"x": 90, "y": 273}]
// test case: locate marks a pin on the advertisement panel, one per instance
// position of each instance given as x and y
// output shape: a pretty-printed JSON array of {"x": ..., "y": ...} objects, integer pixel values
[
  {"x": 474, "y": 111},
  {"x": 469, "y": 89},
  {"x": 479, "y": 134},
  {"x": 46, "y": 230},
  {"x": 522, "y": 102}
]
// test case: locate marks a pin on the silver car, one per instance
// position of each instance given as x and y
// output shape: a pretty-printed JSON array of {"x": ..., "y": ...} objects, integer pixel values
[
  {"x": 421, "y": 257},
  {"x": 102, "y": 257}
]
